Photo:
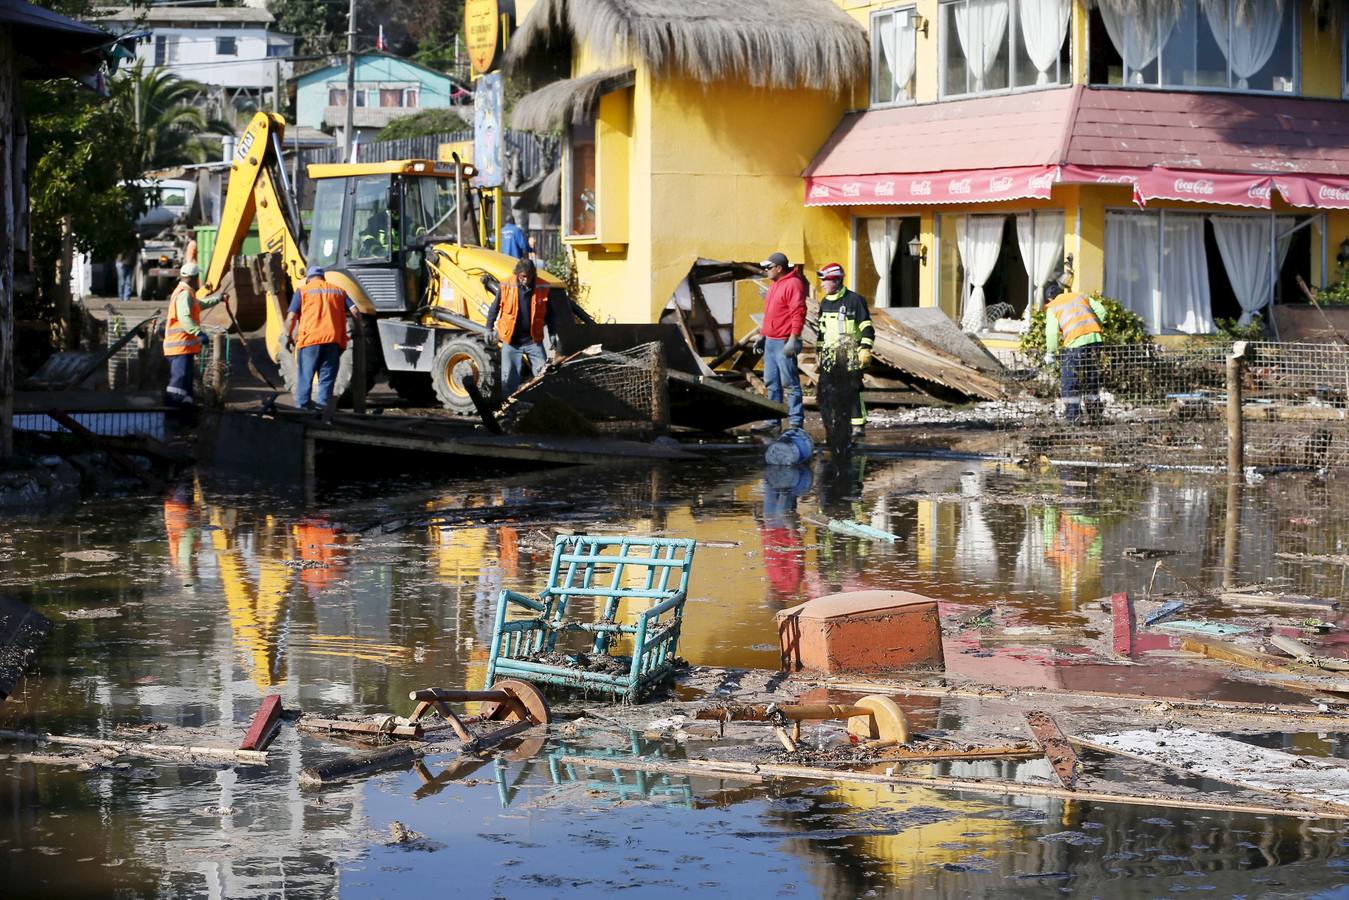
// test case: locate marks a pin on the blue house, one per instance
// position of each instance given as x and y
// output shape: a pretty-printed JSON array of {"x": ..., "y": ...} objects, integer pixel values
[{"x": 387, "y": 87}]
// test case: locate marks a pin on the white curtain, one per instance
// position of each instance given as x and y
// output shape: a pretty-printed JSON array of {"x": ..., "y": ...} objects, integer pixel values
[
  {"x": 1244, "y": 242},
  {"x": 1186, "y": 306},
  {"x": 899, "y": 43},
  {"x": 981, "y": 26},
  {"x": 1040, "y": 236},
  {"x": 976, "y": 552},
  {"x": 1140, "y": 33},
  {"x": 978, "y": 240},
  {"x": 882, "y": 236},
  {"x": 1044, "y": 25},
  {"x": 1254, "y": 34},
  {"x": 1132, "y": 268}
]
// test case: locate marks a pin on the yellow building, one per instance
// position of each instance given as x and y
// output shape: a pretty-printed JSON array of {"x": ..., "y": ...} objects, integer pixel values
[{"x": 956, "y": 153}]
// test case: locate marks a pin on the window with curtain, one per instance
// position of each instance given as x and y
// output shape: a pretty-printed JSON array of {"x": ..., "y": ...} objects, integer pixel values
[
  {"x": 999, "y": 45},
  {"x": 337, "y": 97},
  {"x": 893, "y": 48},
  {"x": 1156, "y": 264},
  {"x": 579, "y": 216},
  {"x": 390, "y": 96},
  {"x": 1245, "y": 45}
]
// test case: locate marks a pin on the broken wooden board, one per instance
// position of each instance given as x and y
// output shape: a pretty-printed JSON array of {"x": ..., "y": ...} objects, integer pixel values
[
  {"x": 704, "y": 403},
  {"x": 1305, "y": 654},
  {"x": 1208, "y": 629},
  {"x": 1055, "y": 746},
  {"x": 1293, "y": 675},
  {"x": 22, "y": 631},
  {"x": 264, "y": 726},
  {"x": 1232, "y": 762},
  {"x": 1255, "y": 597}
]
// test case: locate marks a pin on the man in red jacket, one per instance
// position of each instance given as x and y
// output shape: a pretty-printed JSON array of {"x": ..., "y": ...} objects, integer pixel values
[{"x": 784, "y": 317}]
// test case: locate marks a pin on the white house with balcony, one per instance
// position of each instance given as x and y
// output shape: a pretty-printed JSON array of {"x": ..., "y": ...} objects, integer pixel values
[{"x": 233, "y": 48}]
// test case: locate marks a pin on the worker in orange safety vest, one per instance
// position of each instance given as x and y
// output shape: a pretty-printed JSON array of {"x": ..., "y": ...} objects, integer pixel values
[
  {"x": 517, "y": 319},
  {"x": 1075, "y": 320},
  {"x": 182, "y": 335},
  {"x": 321, "y": 309}
]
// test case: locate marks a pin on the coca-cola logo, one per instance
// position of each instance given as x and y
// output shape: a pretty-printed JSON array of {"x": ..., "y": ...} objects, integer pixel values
[
  {"x": 818, "y": 192},
  {"x": 1198, "y": 186},
  {"x": 999, "y": 184},
  {"x": 885, "y": 189},
  {"x": 852, "y": 189},
  {"x": 1042, "y": 182},
  {"x": 958, "y": 187},
  {"x": 1116, "y": 179},
  {"x": 1258, "y": 192},
  {"x": 921, "y": 188},
  {"x": 1337, "y": 194}
]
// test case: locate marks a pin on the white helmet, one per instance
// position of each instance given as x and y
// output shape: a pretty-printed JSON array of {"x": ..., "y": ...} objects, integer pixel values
[{"x": 189, "y": 270}]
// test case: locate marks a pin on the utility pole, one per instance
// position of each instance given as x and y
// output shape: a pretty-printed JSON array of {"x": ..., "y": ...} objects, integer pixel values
[
  {"x": 276, "y": 86},
  {"x": 347, "y": 134}
]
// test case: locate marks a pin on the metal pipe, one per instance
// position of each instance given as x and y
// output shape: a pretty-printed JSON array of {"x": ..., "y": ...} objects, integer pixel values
[
  {"x": 430, "y": 695},
  {"x": 458, "y": 200},
  {"x": 449, "y": 318}
]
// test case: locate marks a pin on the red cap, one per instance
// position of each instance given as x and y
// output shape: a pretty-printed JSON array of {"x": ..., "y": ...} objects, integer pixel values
[{"x": 832, "y": 270}]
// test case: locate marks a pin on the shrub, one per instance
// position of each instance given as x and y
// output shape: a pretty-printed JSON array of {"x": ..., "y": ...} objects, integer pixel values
[{"x": 1120, "y": 326}]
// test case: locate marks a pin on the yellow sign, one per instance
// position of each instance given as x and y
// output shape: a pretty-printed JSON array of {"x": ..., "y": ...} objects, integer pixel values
[{"x": 482, "y": 34}]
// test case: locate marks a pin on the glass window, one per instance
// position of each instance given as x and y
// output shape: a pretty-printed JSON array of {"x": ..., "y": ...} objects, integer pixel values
[
  {"x": 410, "y": 98},
  {"x": 371, "y": 236},
  {"x": 580, "y": 213},
  {"x": 337, "y": 97},
  {"x": 428, "y": 207},
  {"x": 360, "y": 96},
  {"x": 1247, "y": 45},
  {"x": 893, "y": 47},
  {"x": 327, "y": 224},
  {"x": 226, "y": 46},
  {"x": 391, "y": 97},
  {"x": 996, "y": 45}
]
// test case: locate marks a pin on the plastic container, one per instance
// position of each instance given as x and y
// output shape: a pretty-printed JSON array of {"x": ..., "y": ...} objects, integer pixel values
[{"x": 793, "y": 446}]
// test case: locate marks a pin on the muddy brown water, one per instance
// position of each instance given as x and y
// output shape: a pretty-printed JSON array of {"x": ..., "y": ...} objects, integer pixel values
[{"x": 226, "y": 593}]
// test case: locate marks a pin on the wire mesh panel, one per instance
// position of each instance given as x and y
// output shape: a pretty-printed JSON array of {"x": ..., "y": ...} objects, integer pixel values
[
  {"x": 124, "y": 366},
  {"x": 1153, "y": 405},
  {"x": 614, "y": 393}
]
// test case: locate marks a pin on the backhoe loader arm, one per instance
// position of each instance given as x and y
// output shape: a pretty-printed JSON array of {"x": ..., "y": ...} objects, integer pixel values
[{"x": 258, "y": 190}]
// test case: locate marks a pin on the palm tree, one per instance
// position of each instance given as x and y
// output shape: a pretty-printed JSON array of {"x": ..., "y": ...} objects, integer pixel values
[{"x": 170, "y": 127}]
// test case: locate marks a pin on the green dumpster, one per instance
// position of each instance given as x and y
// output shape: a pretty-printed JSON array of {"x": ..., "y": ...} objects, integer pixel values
[{"x": 206, "y": 234}]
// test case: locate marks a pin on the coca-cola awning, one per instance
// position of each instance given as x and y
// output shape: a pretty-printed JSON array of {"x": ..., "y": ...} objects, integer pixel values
[
  {"x": 1170, "y": 145},
  {"x": 1251, "y": 190}
]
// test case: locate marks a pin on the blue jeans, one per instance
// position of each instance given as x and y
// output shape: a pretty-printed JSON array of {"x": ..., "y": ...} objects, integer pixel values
[
  {"x": 124, "y": 281},
  {"x": 323, "y": 358},
  {"x": 512, "y": 357},
  {"x": 780, "y": 375},
  {"x": 1080, "y": 382},
  {"x": 182, "y": 369}
]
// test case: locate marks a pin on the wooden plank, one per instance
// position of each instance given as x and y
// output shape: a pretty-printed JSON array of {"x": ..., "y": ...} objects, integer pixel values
[
  {"x": 362, "y": 763},
  {"x": 1282, "y": 601},
  {"x": 139, "y": 748},
  {"x": 1291, "y": 674},
  {"x": 1122, "y": 615},
  {"x": 987, "y": 786},
  {"x": 1055, "y": 746},
  {"x": 1305, "y": 654},
  {"x": 260, "y": 732},
  {"x": 1232, "y": 762},
  {"x": 349, "y": 726}
]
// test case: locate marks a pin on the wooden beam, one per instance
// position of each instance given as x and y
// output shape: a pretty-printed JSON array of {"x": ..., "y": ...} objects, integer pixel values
[
  {"x": 261, "y": 732},
  {"x": 139, "y": 748},
  {"x": 1055, "y": 746}
]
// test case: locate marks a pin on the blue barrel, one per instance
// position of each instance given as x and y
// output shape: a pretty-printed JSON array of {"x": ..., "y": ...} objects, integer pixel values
[{"x": 793, "y": 446}]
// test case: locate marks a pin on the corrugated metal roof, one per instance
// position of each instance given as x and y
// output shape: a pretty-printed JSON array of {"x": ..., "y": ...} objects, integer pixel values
[{"x": 1095, "y": 127}]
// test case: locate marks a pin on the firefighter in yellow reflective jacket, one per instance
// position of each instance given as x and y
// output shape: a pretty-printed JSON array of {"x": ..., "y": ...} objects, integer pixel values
[
  {"x": 845, "y": 326},
  {"x": 1075, "y": 320}
]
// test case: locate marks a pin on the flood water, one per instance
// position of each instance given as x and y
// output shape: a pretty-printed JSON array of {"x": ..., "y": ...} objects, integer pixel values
[{"x": 227, "y": 593}]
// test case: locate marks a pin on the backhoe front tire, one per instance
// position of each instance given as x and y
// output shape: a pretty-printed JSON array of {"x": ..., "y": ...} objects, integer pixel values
[{"x": 455, "y": 360}]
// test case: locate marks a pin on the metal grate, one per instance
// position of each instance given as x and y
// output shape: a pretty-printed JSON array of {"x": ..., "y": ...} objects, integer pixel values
[{"x": 1145, "y": 404}]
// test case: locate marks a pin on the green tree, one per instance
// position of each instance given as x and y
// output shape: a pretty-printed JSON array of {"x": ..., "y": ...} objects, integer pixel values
[
  {"x": 319, "y": 25},
  {"x": 426, "y": 122},
  {"x": 170, "y": 129}
]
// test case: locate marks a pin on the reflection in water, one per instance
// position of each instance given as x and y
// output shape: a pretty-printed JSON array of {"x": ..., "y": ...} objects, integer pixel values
[{"x": 227, "y": 597}]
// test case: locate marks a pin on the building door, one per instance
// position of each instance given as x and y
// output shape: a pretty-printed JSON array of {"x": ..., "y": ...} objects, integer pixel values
[{"x": 881, "y": 245}]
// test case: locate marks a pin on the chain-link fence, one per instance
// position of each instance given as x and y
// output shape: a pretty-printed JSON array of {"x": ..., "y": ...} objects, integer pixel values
[
  {"x": 620, "y": 394},
  {"x": 1153, "y": 405}
]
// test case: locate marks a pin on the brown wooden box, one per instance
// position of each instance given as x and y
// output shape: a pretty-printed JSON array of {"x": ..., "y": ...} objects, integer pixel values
[{"x": 862, "y": 631}]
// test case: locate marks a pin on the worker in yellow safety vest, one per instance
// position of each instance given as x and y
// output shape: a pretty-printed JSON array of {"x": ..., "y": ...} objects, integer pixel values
[
  {"x": 1075, "y": 321},
  {"x": 182, "y": 335},
  {"x": 844, "y": 326}
]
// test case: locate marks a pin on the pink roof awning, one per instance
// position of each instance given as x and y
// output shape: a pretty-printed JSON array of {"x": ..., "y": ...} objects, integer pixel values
[{"x": 1214, "y": 149}]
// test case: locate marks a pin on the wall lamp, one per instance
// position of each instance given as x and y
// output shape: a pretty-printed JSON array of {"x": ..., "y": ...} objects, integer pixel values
[
  {"x": 1343, "y": 256},
  {"x": 919, "y": 23},
  {"x": 919, "y": 252},
  {"x": 1068, "y": 264}
]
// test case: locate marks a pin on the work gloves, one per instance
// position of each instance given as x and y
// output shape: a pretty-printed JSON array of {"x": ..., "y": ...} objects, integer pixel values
[
  {"x": 793, "y": 346},
  {"x": 864, "y": 356},
  {"x": 288, "y": 342},
  {"x": 757, "y": 347},
  {"x": 1049, "y": 359}
]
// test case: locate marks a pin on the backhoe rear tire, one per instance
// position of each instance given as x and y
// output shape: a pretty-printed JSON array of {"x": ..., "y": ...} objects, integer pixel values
[
  {"x": 456, "y": 359},
  {"x": 286, "y": 361}
]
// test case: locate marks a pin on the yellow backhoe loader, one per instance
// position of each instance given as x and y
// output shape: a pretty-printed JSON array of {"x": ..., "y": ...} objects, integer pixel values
[{"x": 398, "y": 237}]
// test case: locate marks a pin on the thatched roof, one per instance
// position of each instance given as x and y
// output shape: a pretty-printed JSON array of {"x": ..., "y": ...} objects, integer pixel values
[
  {"x": 768, "y": 43},
  {"x": 571, "y": 100}
]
